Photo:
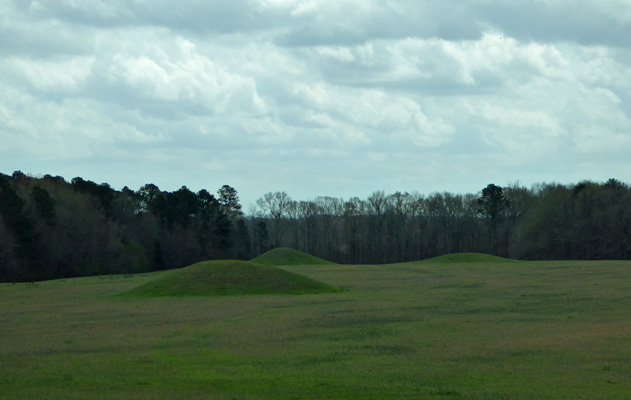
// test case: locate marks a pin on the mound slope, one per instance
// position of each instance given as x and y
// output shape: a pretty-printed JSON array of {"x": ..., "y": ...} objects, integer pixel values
[
  {"x": 467, "y": 258},
  {"x": 220, "y": 278},
  {"x": 288, "y": 256}
]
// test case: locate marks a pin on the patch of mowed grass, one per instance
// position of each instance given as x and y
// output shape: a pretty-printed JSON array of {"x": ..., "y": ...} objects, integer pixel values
[
  {"x": 535, "y": 330},
  {"x": 220, "y": 278},
  {"x": 289, "y": 256}
]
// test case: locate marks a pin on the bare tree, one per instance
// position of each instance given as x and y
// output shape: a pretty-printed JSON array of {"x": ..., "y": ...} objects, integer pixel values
[
  {"x": 377, "y": 207},
  {"x": 275, "y": 205}
]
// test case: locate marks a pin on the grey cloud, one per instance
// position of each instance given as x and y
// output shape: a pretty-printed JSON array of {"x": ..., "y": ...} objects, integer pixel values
[
  {"x": 380, "y": 21},
  {"x": 589, "y": 23},
  {"x": 225, "y": 16},
  {"x": 29, "y": 41},
  {"x": 193, "y": 16},
  {"x": 24, "y": 35}
]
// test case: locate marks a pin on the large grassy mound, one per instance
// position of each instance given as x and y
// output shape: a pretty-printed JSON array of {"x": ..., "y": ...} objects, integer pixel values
[
  {"x": 217, "y": 278},
  {"x": 288, "y": 256},
  {"x": 467, "y": 258}
]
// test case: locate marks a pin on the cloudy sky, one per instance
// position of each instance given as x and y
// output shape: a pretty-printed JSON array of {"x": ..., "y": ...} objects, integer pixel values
[{"x": 317, "y": 97}]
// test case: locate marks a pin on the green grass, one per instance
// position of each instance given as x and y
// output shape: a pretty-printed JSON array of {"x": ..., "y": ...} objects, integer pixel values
[
  {"x": 288, "y": 256},
  {"x": 219, "y": 278},
  {"x": 467, "y": 258},
  {"x": 426, "y": 330}
]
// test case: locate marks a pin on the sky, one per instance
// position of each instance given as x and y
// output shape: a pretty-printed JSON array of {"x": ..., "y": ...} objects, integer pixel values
[{"x": 317, "y": 97}]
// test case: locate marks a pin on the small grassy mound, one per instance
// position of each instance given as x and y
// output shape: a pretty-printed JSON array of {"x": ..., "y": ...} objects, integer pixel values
[
  {"x": 288, "y": 256},
  {"x": 220, "y": 278},
  {"x": 467, "y": 258}
]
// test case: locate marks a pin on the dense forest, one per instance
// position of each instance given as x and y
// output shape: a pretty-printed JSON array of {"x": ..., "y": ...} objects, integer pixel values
[{"x": 51, "y": 228}]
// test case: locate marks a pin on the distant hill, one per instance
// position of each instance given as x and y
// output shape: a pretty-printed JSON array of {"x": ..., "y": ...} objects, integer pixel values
[
  {"x": 218, "y": 278},
  {"x": 288, "y": 256},
  {"x": 467, "y": 258}
]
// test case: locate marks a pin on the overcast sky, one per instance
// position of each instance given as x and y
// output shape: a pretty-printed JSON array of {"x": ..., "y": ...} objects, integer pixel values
[{"x": 315, "y": 97}]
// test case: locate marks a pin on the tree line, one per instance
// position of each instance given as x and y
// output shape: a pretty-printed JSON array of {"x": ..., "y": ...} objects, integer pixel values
[
  {"x": 51, "y": 228},
  {"x": 587, "y": 220}
]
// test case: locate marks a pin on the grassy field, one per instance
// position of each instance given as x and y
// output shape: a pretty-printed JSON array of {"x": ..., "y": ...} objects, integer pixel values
[
  {"x": 222, "y": 278},
  {"x": 440, "y": 329},
  {"x": 288, "y": 256}
]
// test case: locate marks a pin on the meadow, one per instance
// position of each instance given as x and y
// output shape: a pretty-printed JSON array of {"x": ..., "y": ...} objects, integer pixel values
[{"x": 449, "y": 328}]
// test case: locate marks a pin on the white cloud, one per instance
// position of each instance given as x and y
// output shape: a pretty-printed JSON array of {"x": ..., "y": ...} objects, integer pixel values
[
  {"x": 305, "y": 8},
  {"x": 175, "y": 72},
  {"x": 341, "y": 54},
  {"x": 268, "y": 131},
  {"x": 604, "y": 128},
  {"x": 66, "y": 129},
  {"x": 57, "y": 76},
  {"x": 377, "y": 112},
  {"x": 298, "y": 90}
]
